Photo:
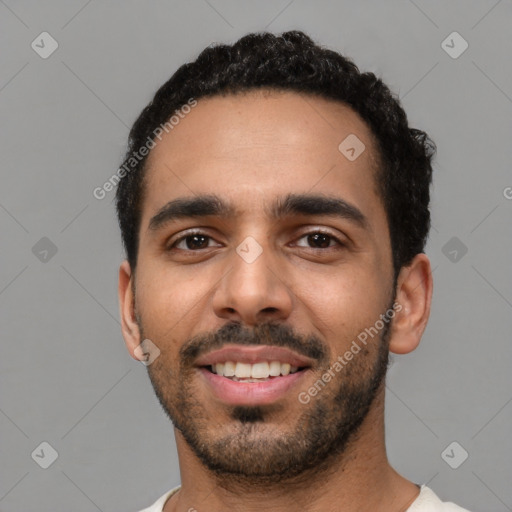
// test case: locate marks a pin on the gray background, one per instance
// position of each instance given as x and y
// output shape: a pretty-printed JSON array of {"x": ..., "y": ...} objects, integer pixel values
[{"x": 65, "y": 376}]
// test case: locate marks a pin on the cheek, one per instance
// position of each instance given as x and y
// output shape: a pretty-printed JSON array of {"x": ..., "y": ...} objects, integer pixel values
[
  {"x": 343, "y": 303},
  {"x": 168, "y": 299}
]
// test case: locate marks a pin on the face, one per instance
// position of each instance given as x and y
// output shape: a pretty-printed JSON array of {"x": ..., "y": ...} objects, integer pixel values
[{"x": 264, "y": 252}]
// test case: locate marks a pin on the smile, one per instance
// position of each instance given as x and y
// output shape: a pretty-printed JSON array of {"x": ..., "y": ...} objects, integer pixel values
[
  {"x": 252, "y": 375},
  {"x": 257, "y": 372}
]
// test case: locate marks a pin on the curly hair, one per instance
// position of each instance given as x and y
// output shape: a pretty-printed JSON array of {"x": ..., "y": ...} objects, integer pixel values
[{"x": 293, "y": 62}]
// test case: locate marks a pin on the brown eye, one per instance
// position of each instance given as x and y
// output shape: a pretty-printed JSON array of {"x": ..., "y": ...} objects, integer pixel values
[
  {"x": 192, "y": 242},
  {"x": 319, "y": 240},
  {"x": 196, "y": 241}
]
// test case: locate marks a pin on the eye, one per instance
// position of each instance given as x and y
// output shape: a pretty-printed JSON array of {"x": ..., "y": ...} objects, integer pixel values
[
  {"x": 192, "y": 242},
  {"x": 196, "y": 241},
  {"x": 319, "y": 240}
]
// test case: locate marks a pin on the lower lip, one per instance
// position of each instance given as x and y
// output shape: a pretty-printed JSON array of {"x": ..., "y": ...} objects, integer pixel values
[{"x": 250, "y": 393}]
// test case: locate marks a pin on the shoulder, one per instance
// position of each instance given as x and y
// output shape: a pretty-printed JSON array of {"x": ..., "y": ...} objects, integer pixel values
[
  {"x": 427, "y": 501},
  {"x": 158, "y": 506}
]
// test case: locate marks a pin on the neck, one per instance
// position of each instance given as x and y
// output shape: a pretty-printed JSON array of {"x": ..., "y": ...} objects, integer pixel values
[{"x": 360, "y": 478}]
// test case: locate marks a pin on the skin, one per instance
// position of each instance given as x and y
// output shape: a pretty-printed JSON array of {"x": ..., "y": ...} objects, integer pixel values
[{"x": 249, "y": 150}]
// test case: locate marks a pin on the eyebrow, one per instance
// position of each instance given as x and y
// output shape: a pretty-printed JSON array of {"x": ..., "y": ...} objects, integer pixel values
[
  {"x": 189, "y": 208},
  {"x": 292, "y": 204}
]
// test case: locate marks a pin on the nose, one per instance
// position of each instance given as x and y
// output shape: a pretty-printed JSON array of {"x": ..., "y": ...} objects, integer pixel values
[{"x": 253, "y": 291}]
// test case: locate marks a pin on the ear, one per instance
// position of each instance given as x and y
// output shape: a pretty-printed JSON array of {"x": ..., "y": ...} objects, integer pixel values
[
  {"x": 129, "y": 326},
  {"x": 414, "y": 294}
]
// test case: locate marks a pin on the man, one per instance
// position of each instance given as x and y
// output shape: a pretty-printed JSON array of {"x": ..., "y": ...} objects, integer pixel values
[{"x": 273, "y": 205}]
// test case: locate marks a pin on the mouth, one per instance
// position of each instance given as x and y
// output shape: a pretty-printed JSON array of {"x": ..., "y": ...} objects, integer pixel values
[
  {"x": 256, "y": 372},
  {"x": 253, "y": 375}
]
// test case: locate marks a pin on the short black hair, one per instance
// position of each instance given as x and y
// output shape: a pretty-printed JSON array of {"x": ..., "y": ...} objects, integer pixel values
[{"x": 292, "y": 61}]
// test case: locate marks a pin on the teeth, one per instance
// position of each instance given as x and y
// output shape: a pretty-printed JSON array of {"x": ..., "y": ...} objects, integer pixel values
[
  {"x": 260, "y": 371},
  {"x": 285, "y": 369},
  {"x": 275, "y": 368},
  {"x": 229, "y": 369},
  {"x": 243, "y": 370},
  {"x": 252, "y": 372}
]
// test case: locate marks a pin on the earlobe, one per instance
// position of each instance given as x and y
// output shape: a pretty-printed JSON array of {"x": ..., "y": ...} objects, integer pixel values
[
  {"x": 129, "y": 326},
  {"x": 414, "y": 295}
]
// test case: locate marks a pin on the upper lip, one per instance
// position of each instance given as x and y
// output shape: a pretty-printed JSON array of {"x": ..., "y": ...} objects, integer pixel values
[{"x": 254, "y": 354}]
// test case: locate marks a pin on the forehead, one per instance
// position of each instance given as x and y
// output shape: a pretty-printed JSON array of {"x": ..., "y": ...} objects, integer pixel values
[{"x": 258, "y": 146}]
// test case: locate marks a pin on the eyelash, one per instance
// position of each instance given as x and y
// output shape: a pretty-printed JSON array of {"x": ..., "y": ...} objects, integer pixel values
[{"x": 314, "y": 232}]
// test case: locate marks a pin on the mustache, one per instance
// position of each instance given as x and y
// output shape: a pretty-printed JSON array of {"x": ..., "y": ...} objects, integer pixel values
[{"x": 268, "y": 333}]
